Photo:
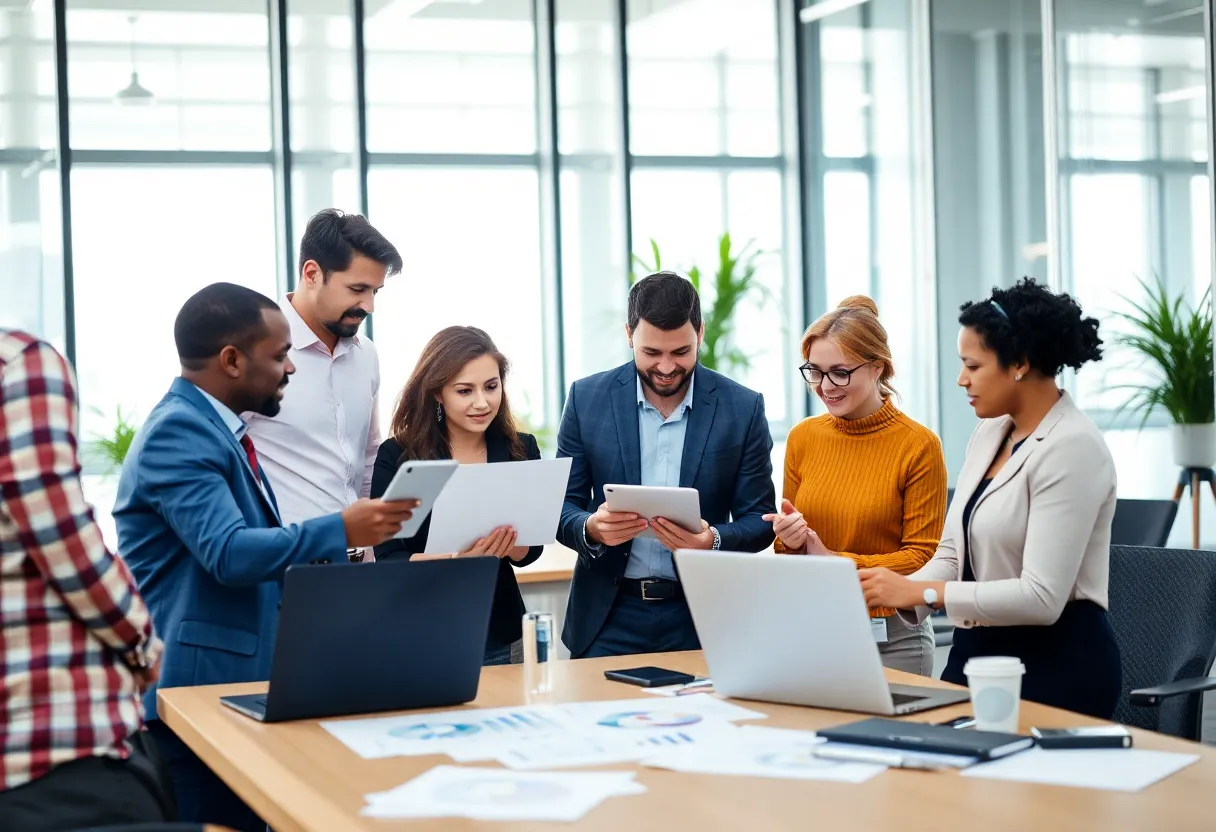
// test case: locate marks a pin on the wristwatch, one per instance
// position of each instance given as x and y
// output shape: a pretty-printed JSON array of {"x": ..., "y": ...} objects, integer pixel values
[
  {"x": 930, "y": 596},
  {"x": 717, "y": 538}
]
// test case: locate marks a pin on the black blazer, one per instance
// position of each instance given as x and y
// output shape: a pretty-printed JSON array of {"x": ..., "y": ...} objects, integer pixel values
[{"x": 506, "y": 616}]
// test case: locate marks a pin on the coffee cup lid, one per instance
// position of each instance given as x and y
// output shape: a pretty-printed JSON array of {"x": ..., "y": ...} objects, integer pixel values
[{"x": 994, "y": 666}]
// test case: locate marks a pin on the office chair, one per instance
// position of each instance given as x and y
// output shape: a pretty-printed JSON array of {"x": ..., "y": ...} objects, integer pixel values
[
  {"x": 1162, "y": 604},
  {"x": 1143, "y": 522}
]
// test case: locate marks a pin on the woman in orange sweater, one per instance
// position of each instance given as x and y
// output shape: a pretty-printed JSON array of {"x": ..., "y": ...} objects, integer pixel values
[{"x": 863, "y": 481}]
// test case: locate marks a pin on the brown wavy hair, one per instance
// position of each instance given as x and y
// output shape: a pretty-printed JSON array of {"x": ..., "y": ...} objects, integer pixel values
[{"x": 415, "y": 426}]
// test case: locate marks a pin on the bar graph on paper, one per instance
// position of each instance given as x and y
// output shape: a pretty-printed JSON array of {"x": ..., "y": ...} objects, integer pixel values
[{"x": 448, "y": 732}]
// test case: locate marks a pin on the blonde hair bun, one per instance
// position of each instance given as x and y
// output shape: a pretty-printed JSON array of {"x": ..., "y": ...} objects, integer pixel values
[{"x": 859, "y": 302}]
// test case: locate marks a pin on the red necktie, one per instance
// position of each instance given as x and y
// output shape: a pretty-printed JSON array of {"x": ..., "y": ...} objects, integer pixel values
[{"x": 252, "y": 455}]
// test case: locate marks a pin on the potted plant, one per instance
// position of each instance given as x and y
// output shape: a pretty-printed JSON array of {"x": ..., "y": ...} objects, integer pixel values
[
  {"x": 734, "y": 281},
  {"x": 1174, "y": 343},
  {"x": 111, "y": 450}
]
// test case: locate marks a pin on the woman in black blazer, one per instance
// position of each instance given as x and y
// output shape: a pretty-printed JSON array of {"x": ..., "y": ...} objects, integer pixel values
[{"x": 454, "y": 407}]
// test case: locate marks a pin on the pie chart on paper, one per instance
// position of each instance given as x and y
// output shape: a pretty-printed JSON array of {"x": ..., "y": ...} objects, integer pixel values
[
  {"x": 643, "y": 720},
  {"x": 434, "y": 731}
]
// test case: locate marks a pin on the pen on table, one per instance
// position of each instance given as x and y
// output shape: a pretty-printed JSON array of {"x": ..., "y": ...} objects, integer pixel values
[
  {"x": 699, "y": 683},
  {"x": 882, "y": 758}
]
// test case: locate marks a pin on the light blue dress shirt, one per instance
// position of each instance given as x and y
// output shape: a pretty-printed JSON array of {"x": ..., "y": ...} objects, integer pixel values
[{"x": 662, "y": 452}]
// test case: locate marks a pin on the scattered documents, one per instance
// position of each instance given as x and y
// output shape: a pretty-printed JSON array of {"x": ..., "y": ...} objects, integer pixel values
[
  {"x": 545, "y": 736},
  {"x": 498, "y": 795},
  {"x": 752, "y": 751},
  {"x": 1117, "y": 769},
  {"x": 464, "y": 731}
]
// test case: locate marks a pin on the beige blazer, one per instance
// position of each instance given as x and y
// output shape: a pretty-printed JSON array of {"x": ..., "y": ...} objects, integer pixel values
[{"x": 1040, "y": 533}]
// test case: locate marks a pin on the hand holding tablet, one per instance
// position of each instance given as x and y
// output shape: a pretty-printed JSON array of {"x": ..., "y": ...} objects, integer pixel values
[{"x": 670, "y": 515}]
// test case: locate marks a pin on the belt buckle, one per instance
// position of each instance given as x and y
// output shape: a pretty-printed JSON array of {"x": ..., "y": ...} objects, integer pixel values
[{"x": 645, "y": 583}]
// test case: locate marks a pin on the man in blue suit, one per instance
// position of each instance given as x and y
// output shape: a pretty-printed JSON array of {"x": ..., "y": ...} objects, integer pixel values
[
  {"x": 199, "y": 526},
  {"x": 663, "y": 420}
]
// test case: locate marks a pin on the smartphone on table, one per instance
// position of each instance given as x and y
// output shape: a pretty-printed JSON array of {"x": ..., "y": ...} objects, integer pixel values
[{"x": 649, "y": 677}]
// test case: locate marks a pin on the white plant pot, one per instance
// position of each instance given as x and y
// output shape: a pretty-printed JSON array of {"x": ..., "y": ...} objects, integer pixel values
[{"x": 1194, "y": 445}]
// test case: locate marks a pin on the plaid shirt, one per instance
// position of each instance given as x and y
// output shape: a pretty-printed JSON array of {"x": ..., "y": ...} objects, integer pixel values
[{"x": 72, "y": 619}]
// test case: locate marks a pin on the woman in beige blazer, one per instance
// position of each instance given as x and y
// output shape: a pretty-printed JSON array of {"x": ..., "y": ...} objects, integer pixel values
[{"x": 1023, "y": 564}]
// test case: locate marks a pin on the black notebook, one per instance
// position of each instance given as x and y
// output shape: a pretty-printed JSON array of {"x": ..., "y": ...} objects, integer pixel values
[{"x": 931, "y": 739}]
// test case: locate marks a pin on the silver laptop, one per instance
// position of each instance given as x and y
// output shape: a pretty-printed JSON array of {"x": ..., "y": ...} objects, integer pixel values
[{"x": 791, "y": 629}]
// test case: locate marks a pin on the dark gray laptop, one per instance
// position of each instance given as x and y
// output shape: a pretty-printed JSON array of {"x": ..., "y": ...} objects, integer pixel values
[
  {"x": 376, "y": 637},
  {"x": 794, "y": 629}
]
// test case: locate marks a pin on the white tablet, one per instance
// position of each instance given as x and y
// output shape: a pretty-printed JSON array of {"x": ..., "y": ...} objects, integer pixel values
[
  {"x": 422, "y": 480},
  {"x": 681, "y": 506}
]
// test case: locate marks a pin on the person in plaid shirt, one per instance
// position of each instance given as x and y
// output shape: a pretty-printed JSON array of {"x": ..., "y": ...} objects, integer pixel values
[{"x": 77, "y": 643}]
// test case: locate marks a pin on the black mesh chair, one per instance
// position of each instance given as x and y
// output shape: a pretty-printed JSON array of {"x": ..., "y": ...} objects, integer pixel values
[
  {"x": 1163, "y": 610},
  {"x": 1143, "y": 522}
]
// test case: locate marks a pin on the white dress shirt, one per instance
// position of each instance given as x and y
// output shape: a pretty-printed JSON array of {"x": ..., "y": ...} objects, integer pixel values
[{"x": 318, "y": 452}]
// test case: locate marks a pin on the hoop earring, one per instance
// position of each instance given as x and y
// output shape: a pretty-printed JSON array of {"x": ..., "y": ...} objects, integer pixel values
[{"x": 438, "y": 411}]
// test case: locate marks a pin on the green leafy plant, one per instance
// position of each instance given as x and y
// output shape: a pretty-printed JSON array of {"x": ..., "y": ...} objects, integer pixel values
[
  {"x": 1174, "y": 342},
  {"x": 112, "y": 450},
  {"x": 733, "y": 282},
  {"x": 524, "y": 423}
]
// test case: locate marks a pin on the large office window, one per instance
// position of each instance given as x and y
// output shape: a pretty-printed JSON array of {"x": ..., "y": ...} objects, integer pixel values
[
  {"x": 321, "y": 80},
  {"x": 1132, "y": 126},
  {"x": 593, "y": 211},
  {"x": 472, "y": 259},
  {"x": 703, "y": 83},
  {"x": 169, "y": 79},
  {"x": 868, "y": 172},
  {"x": 705, "y": 134},
  {"x": 989, "y": 180},
  {"x": 451, "y": 77},
  {"x": 31, "y": 277},
  {"x": 172, "y": 184},
  {"x": 454, "y": 183}
]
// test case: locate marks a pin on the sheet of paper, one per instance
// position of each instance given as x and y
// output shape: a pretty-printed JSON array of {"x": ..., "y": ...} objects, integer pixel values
[
  {"x": 752, "y": 751},
  {"x": 525, "y": 495},
  {"x": 499, "y": 795},
  {"x": 569, "y": 751},
  {"x": 1116, "y": 769},
  {"x": 479, "y": 732},
  {"x": 696, "y": 708}
]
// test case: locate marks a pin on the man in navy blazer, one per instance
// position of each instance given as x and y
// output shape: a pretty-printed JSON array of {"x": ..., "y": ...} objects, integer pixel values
[
  {"x": 199, "y": 526},
  {"x": 661, "y": 420}
]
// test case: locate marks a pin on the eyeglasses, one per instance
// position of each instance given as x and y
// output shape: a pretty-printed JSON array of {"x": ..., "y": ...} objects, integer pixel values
[{"x": 839, "y": 376}]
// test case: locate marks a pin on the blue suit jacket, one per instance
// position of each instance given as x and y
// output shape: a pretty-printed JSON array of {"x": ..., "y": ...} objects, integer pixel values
[
  {"x": 206, "y": 546},
  {"x": 727, "y": 458}
]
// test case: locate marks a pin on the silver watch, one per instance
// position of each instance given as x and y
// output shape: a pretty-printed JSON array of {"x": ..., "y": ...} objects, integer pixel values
[{"x": 717, "y": 538}]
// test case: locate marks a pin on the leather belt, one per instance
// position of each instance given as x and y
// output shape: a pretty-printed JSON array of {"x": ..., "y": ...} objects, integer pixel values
[{"x": 652, "y": 589}]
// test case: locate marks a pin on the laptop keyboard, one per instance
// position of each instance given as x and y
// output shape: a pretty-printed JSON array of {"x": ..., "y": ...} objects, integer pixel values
[{"x": 905, "y": 699}]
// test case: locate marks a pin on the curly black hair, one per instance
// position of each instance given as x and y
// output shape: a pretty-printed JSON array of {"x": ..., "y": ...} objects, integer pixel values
[{"x": 1030, "y": 322}]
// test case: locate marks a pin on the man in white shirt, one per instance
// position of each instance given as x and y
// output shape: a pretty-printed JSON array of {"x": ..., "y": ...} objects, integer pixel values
[{"x": 319, "y": 450}]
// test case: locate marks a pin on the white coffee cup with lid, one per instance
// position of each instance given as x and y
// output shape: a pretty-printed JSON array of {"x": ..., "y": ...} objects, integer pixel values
[{"x": 996, "y": 689}]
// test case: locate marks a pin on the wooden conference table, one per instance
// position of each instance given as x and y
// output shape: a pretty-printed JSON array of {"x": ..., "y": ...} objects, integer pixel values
[{"x": 298, "y": 777}]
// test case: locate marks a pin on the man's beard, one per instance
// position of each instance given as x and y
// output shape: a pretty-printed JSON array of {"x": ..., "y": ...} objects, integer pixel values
[
  {"x": 343, "y": 330},
  {"x": 676, "y": 388},
  {"x": 271, "y": 406}
]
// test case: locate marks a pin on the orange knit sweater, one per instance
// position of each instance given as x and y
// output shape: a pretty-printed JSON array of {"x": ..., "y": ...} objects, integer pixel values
[{"x": 873, "y": 489}]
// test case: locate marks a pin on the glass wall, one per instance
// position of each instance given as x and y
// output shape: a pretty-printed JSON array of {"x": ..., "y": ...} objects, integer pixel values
[
  {"x": 705, "y": 137},
  {"x": 989, "y": 176},
  {"x": 172, "y": 184},
  {"x": 1133, "y": 150},
  {"x": 869, "y": 218},
  {"x": 31, "y": 277}
]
